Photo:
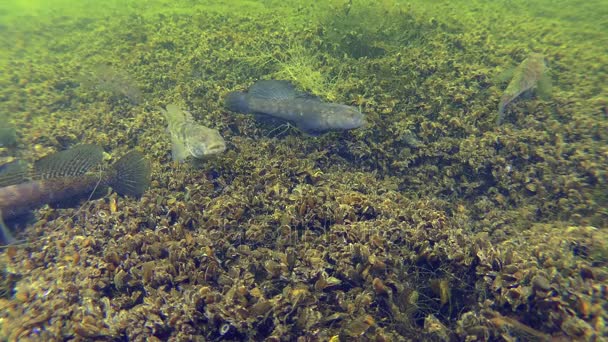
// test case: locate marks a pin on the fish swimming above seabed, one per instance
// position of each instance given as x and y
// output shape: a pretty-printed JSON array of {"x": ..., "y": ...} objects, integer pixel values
[
  {"x": 188, "y": 138},
  {"x": 279, "y": 99},
  {"x": 64, "y": 176},
  {"x": 531, "y": 74}
]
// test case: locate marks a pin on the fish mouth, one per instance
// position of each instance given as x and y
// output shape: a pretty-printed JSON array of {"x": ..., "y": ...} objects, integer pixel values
[
  {"x": 216, "y": 148},
  {"x": 360, "y": 122}
]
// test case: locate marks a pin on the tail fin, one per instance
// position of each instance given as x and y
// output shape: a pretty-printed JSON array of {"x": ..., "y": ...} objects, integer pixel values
[
  {"x": 132, "y": 174},
  {"x": 501, "y": 114},
  {"x": 236, "y": 101},
  {"x": 504, "y": 101}
]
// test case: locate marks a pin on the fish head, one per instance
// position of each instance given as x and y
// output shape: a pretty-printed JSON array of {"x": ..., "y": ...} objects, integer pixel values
[
  {"x": 347, "y": 117},
  {"x": 538, "y": 57},
  {"x": 205, "y": 142},
  {"x": 537, "y": 62}
]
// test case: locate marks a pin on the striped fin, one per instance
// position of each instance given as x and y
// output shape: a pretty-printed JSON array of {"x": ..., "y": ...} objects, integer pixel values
[
  {"x": 69, "y": 163},
  {"x": 13, "y": 173},
  {"x": 132, "y": 174}
]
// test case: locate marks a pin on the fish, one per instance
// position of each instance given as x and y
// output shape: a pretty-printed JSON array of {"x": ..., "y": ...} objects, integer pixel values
[
  {"x": 66, "y": 175},
  {"x": 188, "y": 138},
  {"x": 531, "y": 73},
  {"x": 279, "y": 99},
  {"x": 111, "y": 79}
]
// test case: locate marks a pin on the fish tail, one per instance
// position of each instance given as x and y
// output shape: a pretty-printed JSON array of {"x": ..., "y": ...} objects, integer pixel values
[
  {"x": 501, "y": 114},
  {"x": 504, "y": 101},
  {"x": 236, "y": 101},
  {"x": 132, "y": 174}
]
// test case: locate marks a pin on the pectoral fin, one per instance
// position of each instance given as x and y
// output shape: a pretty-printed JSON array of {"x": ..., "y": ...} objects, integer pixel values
[
  {"x": 13, "y": 173},
  {"x": 178, "y": 149},
  {"x": 504, "y": 76}
]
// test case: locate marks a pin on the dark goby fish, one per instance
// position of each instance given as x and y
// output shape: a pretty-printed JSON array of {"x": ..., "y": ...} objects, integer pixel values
[
  {"x": 64, "y": 176},
  {"x": 281, "y": 100}
]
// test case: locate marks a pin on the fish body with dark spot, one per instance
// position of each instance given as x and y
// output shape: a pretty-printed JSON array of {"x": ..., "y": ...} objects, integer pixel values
[
  {"x": 64, "y": 176},
  {"x": 280, "y": 100},
  {"x": 531, "y": 74}
]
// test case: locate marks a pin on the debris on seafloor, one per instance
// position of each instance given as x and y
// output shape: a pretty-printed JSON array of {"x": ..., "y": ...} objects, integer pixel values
[
  {"x": 65, "y": 175},
  {"x": 189, "y": 138},
  {"x": 531, "y": 74}
]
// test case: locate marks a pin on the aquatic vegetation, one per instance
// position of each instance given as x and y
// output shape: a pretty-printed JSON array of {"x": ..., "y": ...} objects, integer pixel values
[
  {"x": 8, "y": 132},
  {"x": 367, "y": 29},
  {"x": 7, "y": 283},
  {"x": 301, "y": 65},
  {"x": 8, "y": 136}
]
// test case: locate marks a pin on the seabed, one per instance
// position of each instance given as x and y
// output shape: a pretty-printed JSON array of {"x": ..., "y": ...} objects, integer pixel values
[{"x": 429, "y": 223}]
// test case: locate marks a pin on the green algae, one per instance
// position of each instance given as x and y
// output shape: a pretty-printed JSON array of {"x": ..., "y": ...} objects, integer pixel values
[
  {"x": 8, "y": 136},
  {"x": 430, "y": 217},
  {"x": 8, "y": 132}
]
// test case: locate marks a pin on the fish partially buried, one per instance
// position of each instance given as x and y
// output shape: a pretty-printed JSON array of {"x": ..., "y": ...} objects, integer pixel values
[
  {"x": 531, "y": 74},
  {"x": 279, "y": 99},
  {"x": 188, "y": 138},
  {"x": 64, "y": 176}
]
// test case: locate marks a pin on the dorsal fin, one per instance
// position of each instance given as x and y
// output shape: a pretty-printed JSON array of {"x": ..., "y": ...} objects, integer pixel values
[
  {"x": 13, "y": 173},
  {"x": 273, "y": 90},
  {"x": 69, "y": 163}
]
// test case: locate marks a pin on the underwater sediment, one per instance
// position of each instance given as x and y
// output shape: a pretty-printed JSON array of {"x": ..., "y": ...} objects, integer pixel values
[{"x": 429, "y": 223}]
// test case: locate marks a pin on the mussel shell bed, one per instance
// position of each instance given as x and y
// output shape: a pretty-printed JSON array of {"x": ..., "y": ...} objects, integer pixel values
[{"x": 428, "y": 223}]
